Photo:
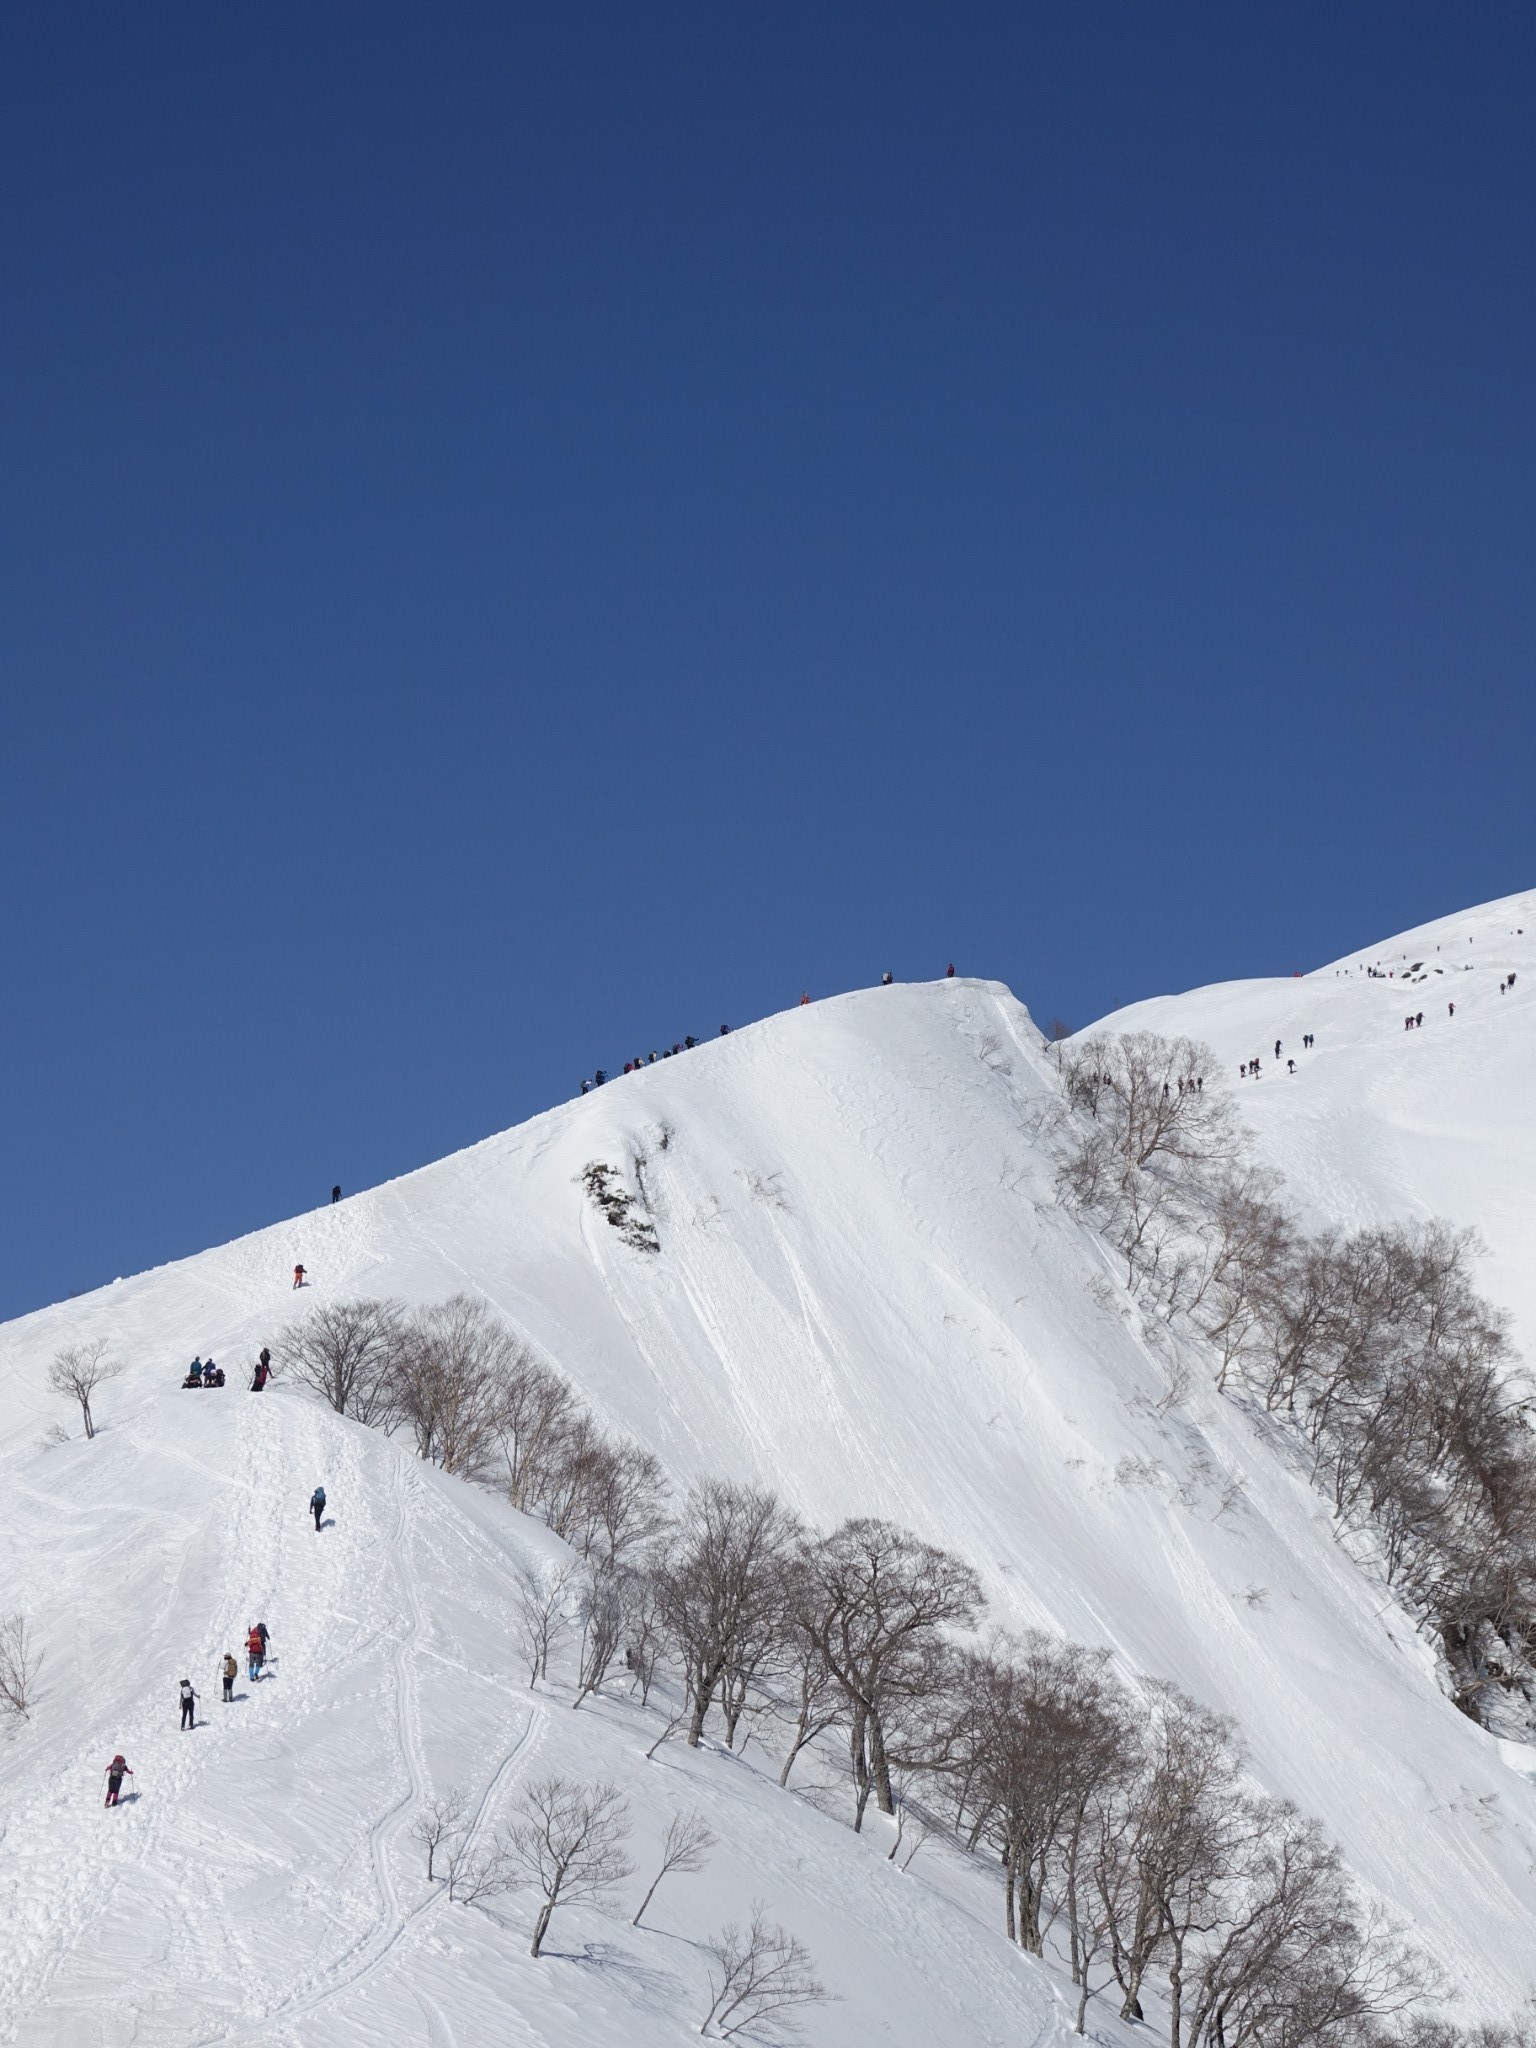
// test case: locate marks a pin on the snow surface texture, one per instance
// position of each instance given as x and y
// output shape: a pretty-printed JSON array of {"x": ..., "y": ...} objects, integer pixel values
[{"x": 866, "y": 1296}]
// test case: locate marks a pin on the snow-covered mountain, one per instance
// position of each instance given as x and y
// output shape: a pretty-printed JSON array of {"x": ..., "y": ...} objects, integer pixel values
[{"x": 866, "y": 1296}]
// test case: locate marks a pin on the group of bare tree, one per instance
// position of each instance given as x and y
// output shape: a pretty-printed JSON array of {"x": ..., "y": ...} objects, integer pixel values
[
  {"x": 1376, "y": 1347},
  {"x": 1121, "y": 1827},
  {"x": 567, "y": 1842},
  {"x": 1127, "y": 1824},
  {"x": 1124, "y": 1823},
  {"x": 480, "y": 1403}
]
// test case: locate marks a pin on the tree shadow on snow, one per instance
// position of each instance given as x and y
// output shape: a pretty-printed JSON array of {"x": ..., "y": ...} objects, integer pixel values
[{"x": 658, "y": 1989}]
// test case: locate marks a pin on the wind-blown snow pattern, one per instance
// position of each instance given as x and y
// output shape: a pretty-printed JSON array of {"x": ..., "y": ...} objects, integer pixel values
[{"x": 867, "y": 1296}]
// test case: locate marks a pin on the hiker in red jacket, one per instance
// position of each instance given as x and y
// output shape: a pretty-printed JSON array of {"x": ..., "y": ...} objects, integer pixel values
[{"x": 117, "y": 1770}]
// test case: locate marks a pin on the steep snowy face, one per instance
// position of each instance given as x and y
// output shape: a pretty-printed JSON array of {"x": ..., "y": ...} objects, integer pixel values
[
  {"x": 1381, "y": 1120},
  {"x": 825, "y": 1255}
]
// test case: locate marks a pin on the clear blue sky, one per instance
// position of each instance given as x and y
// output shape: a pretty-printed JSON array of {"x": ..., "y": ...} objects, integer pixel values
[{"x": 529, "y": 531}]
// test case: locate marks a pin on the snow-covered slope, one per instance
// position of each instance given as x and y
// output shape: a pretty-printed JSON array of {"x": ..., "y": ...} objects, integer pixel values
[
  {"x": 1380, "y": 1121},
  {"x": 867, "y": 1296}
]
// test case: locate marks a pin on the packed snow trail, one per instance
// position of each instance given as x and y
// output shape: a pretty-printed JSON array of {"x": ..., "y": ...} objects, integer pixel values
[{"x": 866, "y": 1295}]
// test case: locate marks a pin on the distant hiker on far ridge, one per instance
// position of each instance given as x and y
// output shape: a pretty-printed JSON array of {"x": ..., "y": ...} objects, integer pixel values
[
  {"x": 298, "y": 1276},
  {"x": 887, "y": 978},
  {"x": 117, "y": 1770},
  {"x": 229, "y": 1671},
  {"x": 335, "y": 1195},
  {"x": 949, "y": 972},
  {"x": 188, "y": 1704},
  {"x": 317, "y": 1506}
]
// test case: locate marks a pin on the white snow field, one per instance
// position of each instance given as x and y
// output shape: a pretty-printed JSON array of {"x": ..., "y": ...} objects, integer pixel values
[{"x": 866, "y": 1296}]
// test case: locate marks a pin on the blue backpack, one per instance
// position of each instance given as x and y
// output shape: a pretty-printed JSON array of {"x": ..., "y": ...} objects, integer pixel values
[{"x": 317, "y": 1498}]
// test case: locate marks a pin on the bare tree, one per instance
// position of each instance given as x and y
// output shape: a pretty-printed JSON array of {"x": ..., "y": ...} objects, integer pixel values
[
  {"x": 645, "y": 1631},
  {"x": 535, "y": 1410},
  {"x": 349, "y": 1352},
  {"x": 1190, "y": 1829},
  {"x": 718, "y": 1579},
  {"x": 1252, "y": 1242},
  {"x": 541, "y": 1617},
  {"x": 1101, "y": 1871},
  {"x": 1288, "y": 1947},
  {"x": 476, "y": 1873},
  {"x": 762, "y": 1974},
  {"x": 20, "y": 1662},
  {"x": 810, "y": 1699},
  {"x": 572, "y": 1478},
  {"x": 876, "y": 1599},
  {"x": 687, "y": 1846},
  {"x": 78, "y": 1371},
  {"x": 437, "y": 1824},
  {"x": 454, "y": 1370},
  {"x": 627, "y": 1493},
  {"x": 569, "y": 1841},
  {"x": 1048, "y": 1733},
  {"x": 1149, "y": 1094},
  {"x": 604, "y": 1624},
  {"x": 674, "y": 1722}
]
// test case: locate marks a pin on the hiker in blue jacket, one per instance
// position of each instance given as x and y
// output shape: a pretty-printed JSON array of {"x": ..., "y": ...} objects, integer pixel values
[{"x": 317, "y": 1505}]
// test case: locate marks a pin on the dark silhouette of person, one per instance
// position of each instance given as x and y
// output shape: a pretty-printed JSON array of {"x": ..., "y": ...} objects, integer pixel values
[{"x": 335, "y": 1196}]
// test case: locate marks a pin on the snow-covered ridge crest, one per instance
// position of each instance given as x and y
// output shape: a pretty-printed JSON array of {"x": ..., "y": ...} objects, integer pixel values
[{"x": 868, "y": 1297}]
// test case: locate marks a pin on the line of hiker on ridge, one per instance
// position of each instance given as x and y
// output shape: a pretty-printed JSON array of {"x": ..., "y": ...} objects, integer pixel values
[{"x": 687, "y": 1044}]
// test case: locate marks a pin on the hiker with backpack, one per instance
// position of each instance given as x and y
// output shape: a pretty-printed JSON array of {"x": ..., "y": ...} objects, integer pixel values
[
  {"x": 229, "y": 1670},
  {"x": 117, "y": 1770},
  {"x": 256, "y": 1651},
  {"x": 317, "y": 1506},
  {"x": 188, "y": 1704}
]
